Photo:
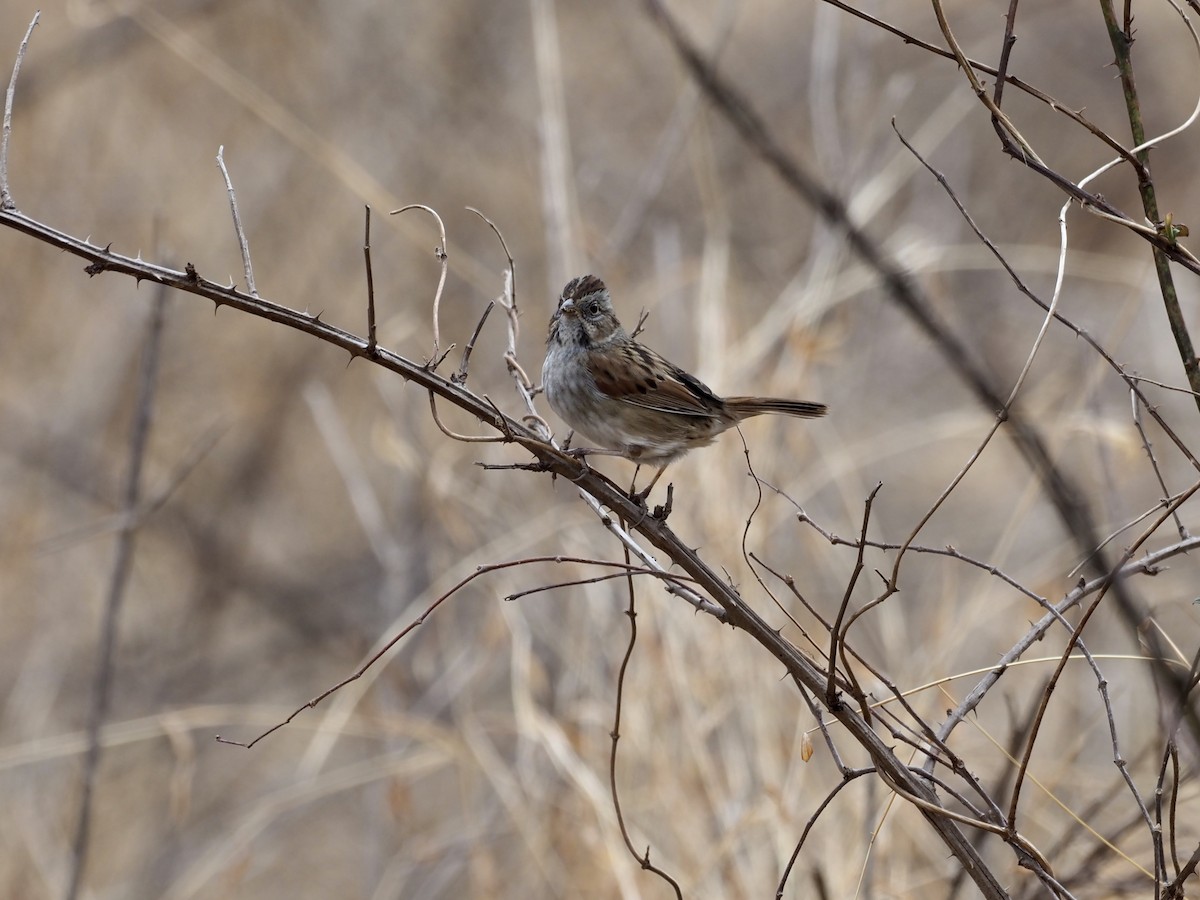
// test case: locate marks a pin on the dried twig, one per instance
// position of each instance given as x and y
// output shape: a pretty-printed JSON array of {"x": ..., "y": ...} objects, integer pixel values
[
  {"x": 615, "y": 735},
  {"x": 420, "y": 620},
  {"x": 243, "y": 244},
  {"x": 440, "y": 252},
  {"x": 371, "y": 341},
  {"x": 6, "y": 200},
  {"x": 460, "y": 377},
  {"x": 1121, "y": 39}
]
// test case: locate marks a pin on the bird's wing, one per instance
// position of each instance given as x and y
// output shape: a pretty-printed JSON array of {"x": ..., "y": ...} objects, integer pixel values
[{"x": 643, "y": 378}]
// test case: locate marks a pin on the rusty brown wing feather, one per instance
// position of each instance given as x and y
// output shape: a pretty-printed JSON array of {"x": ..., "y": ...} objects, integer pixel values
[{"x": 651, "y": 382}]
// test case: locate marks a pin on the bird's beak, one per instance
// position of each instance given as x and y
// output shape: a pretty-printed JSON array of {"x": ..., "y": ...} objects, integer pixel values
[{"x": 567, "y": 306}]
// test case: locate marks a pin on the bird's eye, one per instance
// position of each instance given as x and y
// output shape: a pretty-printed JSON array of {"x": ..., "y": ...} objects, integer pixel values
[{"x": 593, "y": 309}]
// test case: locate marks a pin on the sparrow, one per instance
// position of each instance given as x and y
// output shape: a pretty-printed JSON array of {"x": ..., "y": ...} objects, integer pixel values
[{"x": 628, "y": 399}]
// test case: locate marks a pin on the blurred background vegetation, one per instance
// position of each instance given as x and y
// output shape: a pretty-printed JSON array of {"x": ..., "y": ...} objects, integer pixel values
[{"x": 312, "y": 508}]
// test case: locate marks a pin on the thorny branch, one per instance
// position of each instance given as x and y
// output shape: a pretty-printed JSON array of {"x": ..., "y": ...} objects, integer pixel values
[{"x": 700, "y": 585}]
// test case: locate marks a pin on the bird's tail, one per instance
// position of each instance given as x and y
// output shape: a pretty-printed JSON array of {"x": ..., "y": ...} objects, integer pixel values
[{"x": 745, "y": 407}]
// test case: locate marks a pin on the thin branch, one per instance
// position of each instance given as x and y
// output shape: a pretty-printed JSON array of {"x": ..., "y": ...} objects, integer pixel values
[
  {"x": 1122, "y": 42},
  {"x": 1117, "y": 532},
  {"x": 460, "y": 377},
  {"x": 371, "y": 341},
  {"x": 243, "y": 244},
  {"x": 1003, "y": 414},
  {"x": 1149, "y": 448},
  {"x": 508, "y": 303},
  {"x": 413, "y": 626},
  {"x": 1130, "y": 380},
  {"x": 847, "y": 777},
  {"x": 598, "y": 579},
  {"x": 746, "y": 554},
  {"x": 6, "y": 200},
  {"x": 615, "y": 736},
  {"x": 440, "y": 252},
  {"x": 999, "y": 117},
  {"x": 1006, "y": 45},
  {"x": 837, "y": 636},
  {"x": 464, "y": 438}
]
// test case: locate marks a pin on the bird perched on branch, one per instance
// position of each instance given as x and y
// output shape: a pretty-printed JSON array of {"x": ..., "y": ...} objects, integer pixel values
[{"x": 628, "y": 399}]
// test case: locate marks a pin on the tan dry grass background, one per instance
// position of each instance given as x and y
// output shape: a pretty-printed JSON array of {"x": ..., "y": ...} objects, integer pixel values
[{"x": 474, "y": 763}]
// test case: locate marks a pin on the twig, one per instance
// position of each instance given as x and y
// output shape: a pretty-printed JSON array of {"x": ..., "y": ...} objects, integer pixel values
[
  {"x": 6, "y": 200},
  {"x": 615, "y": 735},
  {"x": 1122, "y": 41},
  {"x": 999, "y": 117},
  {"x": 1003, "y": 413},
  {"x": 460, "y": 377},
  {"x": 371, "y": 342},
  {"x": 508, "y": 302},
  {"x": 837, "y": 636},
  {"x": 847, "y": 777},
  {"x": 118, "y": 582},
  {"x": 440, "y": 252},
  {"x": 1164, "y": 385},
  {"x": 746, "y": 554},
  {"x": 412, "y": 626},
  {"x": 1006, "y": 45},
  {"x": 465, "y": 438},
  {"x": 1170, "y": 756},
  {"x": 819, "y": 715},
  {"x": 1149, "y": 448},
  {"x": 1141, "y": 517},
  {"x": 579, "y": 582},
  {"x": 243, "y": 244}
]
